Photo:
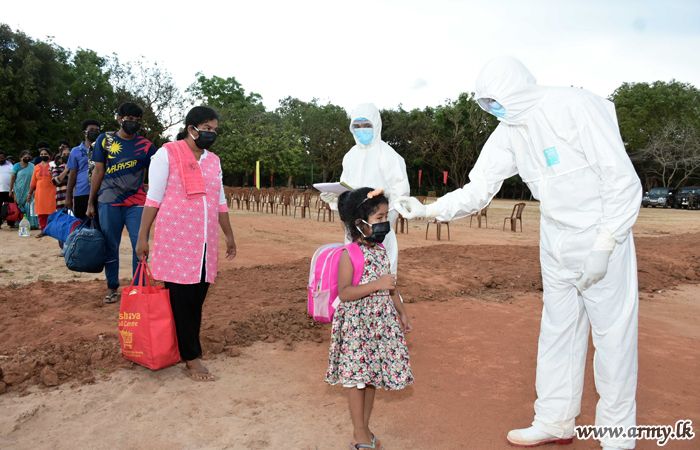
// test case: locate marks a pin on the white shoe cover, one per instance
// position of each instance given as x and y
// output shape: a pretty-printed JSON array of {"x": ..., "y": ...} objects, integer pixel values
[{"x": 531, "y": 437}]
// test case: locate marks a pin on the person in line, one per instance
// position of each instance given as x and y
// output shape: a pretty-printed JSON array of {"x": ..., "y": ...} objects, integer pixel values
[
  {"x": 60, "y": 180},
  {"x": 117, "y": 185},
  {"x": 20, "y": 184},
  {"x": 78, "y": 189},
  {"x": 368, "y": 349},
  {"x": 63, "y": 145},
  {"x": 372, "y": 162},
  {"x": 43, "y": 190},
  {"x": 5, "y": 183},
  {"x": 565, "y": 143},
  {"x": 42, "y": 145},
  {"x": 186, "y": 187},
  {"x": 59, "y": 177}
]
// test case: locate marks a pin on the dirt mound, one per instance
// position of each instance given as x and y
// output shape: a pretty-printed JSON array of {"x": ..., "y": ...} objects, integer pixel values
[{"x": 52, "y": 333}]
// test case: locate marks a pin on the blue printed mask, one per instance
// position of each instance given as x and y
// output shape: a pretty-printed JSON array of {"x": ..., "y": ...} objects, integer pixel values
[
  {"x": 497, "y": 109},
  {"x": 364, "y": 135}
]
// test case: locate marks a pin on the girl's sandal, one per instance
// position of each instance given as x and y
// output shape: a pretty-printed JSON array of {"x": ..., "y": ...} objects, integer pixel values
[{"x": 354, "y": 446}]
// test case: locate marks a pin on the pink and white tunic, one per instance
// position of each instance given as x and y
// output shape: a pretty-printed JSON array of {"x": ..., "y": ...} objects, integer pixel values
[{"x": 184, "y": 226}]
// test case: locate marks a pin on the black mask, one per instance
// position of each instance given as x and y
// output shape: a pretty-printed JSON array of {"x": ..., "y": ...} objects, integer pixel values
[
  {"x": 65, "y": 158},
  {"x": 379, "y": 231},
  {"x": 92, "y": 135},
  {"x": 205, "y": 140},
  {"x": 2, "y": 161},
  {"x": 26, "y": 160},
  {"x": 131, "y": 126},
  {"x": 45, "y": 158}
]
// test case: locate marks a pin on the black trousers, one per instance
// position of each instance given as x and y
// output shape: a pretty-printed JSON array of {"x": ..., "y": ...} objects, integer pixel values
[
  {"x": 186, "y": 301},
  {"x": 80, "y": 204},
  {"x": 5, "y": 198}
]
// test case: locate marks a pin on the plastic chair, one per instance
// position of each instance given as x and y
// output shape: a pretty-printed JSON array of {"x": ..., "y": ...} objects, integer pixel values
[
  {"x": 304, "y": 204},
  {"x": 400, "y": 220},
  {"x": 516, "y": 215},
  {"x": 323, "y": 208},
  {"x": 256, "y": 197},
  {"x": 439, "y": 227},
  {"x": 479, "y": 215},
  {"x": 270, "y": 197},
  {"x": 235, "y": 197},
  {"x": 285, "y": 202}
]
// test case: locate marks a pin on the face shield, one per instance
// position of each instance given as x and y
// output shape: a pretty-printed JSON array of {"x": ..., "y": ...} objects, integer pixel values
[
  {"x": 491, "y": 106},
  {"x": 363, "y": 129}
]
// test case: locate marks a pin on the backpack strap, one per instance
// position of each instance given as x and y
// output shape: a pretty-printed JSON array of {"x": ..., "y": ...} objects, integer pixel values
[
  {"x": 106, "y": 145},
  {"x": 358, "y": 262}
]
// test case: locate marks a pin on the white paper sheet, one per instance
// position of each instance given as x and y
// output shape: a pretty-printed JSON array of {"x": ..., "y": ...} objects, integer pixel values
[{"x": 335, "y": 188}]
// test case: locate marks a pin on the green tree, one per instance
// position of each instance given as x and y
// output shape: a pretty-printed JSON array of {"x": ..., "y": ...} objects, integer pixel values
[
  {"x": 323, "y": 131},
  {"x": 644, "y": 109},
  {"x": 152, "y": 87},
  {"x": 87, "y": 94},
  {"x": 30, "y": 73}
]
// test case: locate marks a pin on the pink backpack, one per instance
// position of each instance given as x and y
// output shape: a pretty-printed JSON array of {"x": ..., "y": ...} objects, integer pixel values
[{"x": 323, "y": 278}]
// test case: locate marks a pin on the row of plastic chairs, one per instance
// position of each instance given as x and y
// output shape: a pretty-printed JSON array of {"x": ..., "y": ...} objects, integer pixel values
[
  {"x": 276, "y": 200},
  {"x": 515, "y": 216},
  {"x": 273, "y": 199}
]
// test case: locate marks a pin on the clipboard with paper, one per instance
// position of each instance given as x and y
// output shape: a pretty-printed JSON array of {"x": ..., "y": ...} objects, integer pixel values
[{"x": 335, "y": 188}]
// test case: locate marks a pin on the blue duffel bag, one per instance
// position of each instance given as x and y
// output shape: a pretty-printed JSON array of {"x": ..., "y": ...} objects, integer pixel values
[
  {"x": 85, "y": 249},
  {"x": 60, "y": 224}
]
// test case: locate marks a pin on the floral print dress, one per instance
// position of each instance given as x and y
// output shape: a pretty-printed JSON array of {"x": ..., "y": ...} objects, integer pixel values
[{"x": 367, "y": 342}]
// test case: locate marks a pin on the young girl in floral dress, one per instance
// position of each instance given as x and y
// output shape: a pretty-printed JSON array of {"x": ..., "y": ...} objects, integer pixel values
[{"x": 368, "y": 349}]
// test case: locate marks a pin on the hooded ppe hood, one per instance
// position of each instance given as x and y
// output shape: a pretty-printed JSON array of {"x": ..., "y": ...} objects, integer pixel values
[
  {"x": 371, "y": 113},
  {"x": 507, "y": 80}
]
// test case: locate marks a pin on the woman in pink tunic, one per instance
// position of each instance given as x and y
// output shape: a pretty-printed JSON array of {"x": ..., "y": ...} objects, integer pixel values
[{"x": 186, "y": 200}]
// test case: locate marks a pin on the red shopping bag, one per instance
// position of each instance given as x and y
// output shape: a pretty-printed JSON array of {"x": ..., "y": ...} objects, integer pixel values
[{"x": 146, "y": 325}]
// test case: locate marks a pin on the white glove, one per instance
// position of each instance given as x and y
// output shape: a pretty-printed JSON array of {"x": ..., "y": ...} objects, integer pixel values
[
  {"x": 596, "y": 265},
  {"x": 411, "y": 208},
  {"x": 331, "y": 199}
]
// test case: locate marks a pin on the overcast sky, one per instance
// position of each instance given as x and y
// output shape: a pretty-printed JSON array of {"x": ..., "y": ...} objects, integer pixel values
[{"x": 414, "y": 53}]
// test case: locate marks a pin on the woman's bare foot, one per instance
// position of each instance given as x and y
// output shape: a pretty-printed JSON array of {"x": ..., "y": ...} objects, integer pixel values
[{"x": 197, "y": 372}]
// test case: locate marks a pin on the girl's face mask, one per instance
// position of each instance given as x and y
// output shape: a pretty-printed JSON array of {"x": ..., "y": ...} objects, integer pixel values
[{"x": 379, "y": 231}]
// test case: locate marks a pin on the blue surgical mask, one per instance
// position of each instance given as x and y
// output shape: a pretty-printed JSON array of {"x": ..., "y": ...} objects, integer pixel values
[
  {"x": 364, "y": 135},
  {"x": 497, "y": 109}
]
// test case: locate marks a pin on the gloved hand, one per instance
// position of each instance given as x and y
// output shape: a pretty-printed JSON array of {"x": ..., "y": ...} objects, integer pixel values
[
  {"x": 331, "y": 199},
  {"x": 594, "y": 269},
  {"x": 411, "y": 208}
]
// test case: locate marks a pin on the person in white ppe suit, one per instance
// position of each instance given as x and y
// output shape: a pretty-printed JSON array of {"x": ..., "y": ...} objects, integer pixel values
[
  {"x": 565, "y": 144},
  {"x": 373, "y": 163}
]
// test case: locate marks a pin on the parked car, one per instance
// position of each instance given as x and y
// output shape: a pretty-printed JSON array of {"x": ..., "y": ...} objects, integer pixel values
[
  {"x": 688, "y": 197},
  {"x": 664, "y": 197}
]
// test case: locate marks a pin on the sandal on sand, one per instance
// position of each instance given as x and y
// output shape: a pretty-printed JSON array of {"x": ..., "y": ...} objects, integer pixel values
[
  {"x": 354, "y": 446},
  {"x": 192, "y": 374},
  {"x": 114, "y": 298}
]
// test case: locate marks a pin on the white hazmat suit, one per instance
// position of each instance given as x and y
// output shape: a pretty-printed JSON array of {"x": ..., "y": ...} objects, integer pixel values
[
  {"x": 378, "y": 166},
  {"x": 565, "y": 144}
]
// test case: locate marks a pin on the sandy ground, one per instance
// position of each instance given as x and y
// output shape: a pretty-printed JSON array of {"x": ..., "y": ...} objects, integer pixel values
[{"x": 473, "y": 351}]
